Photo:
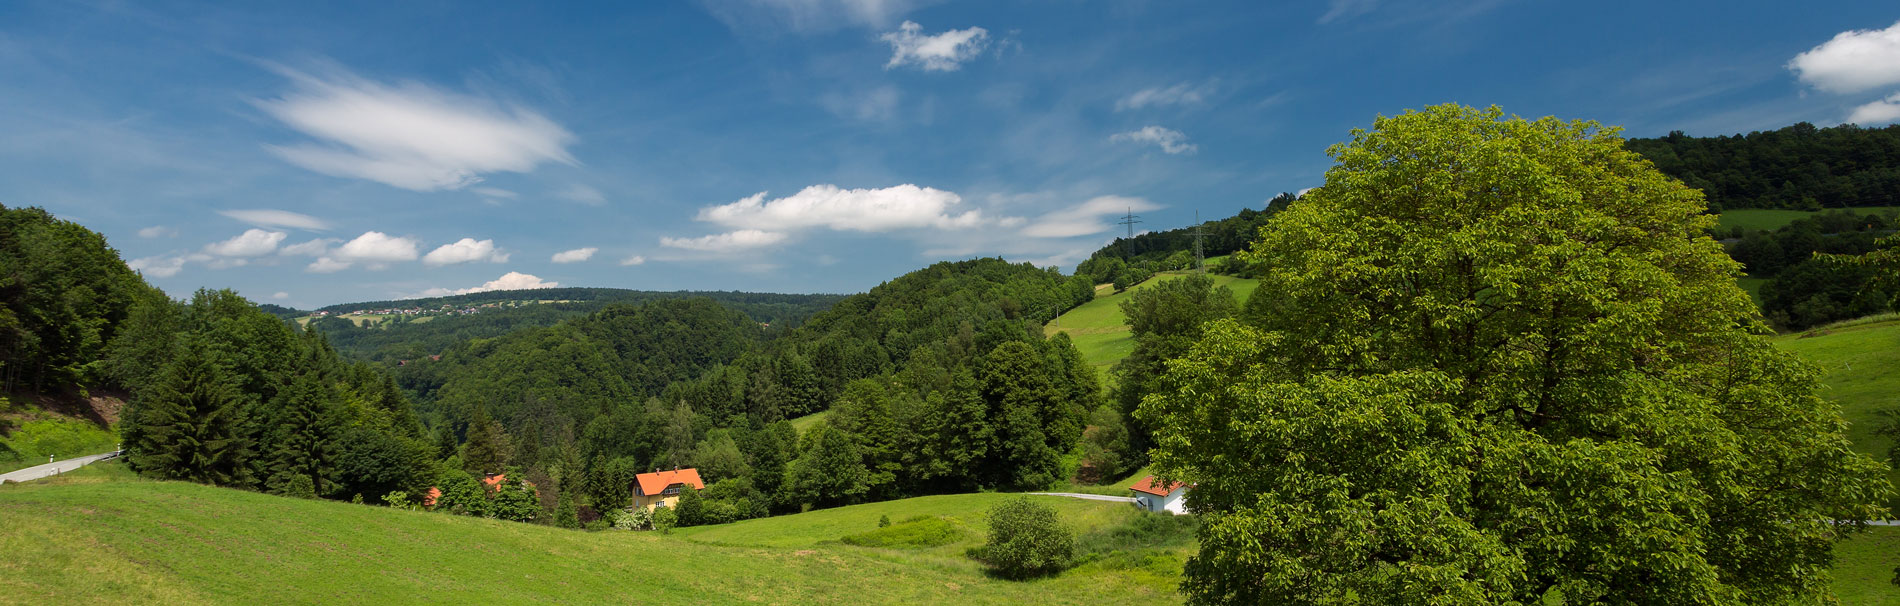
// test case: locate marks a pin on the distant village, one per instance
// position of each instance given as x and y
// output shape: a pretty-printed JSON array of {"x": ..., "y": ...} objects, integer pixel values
[{"x": 445, "y": 310}]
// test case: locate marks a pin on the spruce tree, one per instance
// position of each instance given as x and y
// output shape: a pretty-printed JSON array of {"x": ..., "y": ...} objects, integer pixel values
[
  {"x": 307, "y": 434},
  {"x": 188, "y": 425},
  {"x": 487, "y": 449}
]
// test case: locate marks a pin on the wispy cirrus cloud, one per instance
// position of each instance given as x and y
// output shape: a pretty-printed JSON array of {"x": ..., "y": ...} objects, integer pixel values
[
  {"x": 409, "y": 135},
  {"x": 1088, "y": 218},
  {"x": 1179, "y": 94},
  {"x": 281, "y": 219},
  {"x": 1169, "y": 140},
  {"x": 748, "y": 16}
]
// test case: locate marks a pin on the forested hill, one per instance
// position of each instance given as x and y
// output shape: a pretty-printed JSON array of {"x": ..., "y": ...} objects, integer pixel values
[
  {"x": 420, "y": 328},
  {"x": 1127, "y": 261},
  {"x": 1799, "y": 167}
]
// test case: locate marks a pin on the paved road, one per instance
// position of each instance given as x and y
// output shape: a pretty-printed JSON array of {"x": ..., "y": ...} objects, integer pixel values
[
  {"x": 58, "y": 467},
  {"x": 1091, "y": 497}
]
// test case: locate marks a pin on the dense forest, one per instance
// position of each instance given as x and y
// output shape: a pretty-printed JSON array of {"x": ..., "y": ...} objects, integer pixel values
[
  {"x": 404, "y": 337},
  {"x": 1799, "y": 167},
  {"x": 937, "y": 381}
]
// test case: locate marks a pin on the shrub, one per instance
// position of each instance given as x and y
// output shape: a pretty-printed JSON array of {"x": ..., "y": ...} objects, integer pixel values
[
  {"x": 1026, "y": 540},
  {"x": 664, "y": 519}
]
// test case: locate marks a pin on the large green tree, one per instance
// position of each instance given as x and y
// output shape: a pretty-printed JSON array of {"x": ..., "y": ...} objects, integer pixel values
[
  {"x": 307, "y": 431},
  {"x": 189, "y": 423},
  {"x": 1503, "y": 363},
  {"x": 1165, "y": 320}
]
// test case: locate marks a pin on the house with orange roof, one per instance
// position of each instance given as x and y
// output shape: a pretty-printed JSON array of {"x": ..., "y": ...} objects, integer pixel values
[
  {"x": 1154, "y": 495},
  {"x": 662, "y": 488}
]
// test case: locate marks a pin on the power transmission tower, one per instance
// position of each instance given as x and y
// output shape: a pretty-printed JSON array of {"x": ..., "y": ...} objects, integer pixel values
[
  {"x": 1199, "y": 261},
  {"x": 1129, "y": 220}
]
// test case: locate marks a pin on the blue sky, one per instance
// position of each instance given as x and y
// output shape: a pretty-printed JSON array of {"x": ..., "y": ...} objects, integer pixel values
[{"x": 319, "y": 153}]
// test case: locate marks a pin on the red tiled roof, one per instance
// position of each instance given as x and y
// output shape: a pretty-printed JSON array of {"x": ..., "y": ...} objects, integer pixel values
[
  {"x": 492, "y": 480},
  {"x": 657, "y": 482},
  {"x": 428, "y": 498},
  {"x": 1152, "y": 486}
]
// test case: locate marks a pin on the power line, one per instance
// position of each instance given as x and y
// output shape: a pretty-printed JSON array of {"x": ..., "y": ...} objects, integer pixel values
[
  {"x": 1129, "y": 220},
  {"x": 1200, "y": 266}
]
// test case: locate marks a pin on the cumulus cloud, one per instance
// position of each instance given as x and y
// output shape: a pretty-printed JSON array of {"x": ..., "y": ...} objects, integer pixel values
[
  {"x": 731, "y": 242},
  {"x": 374, "y": 248},
  {"x": 157, "y": 231},
  {"x": 633, "y": 260},
  {"x": 410, "y": 135},
  {"x": 940, "y": 52},
  {"x": 870, "y": 210},
  {"x": 584, "y": 195},
  {"x": 1852, "y": 62},
  {"x": 278, "y": 219},
  {"x": 465, "y": 250},
  {"x": 1170, "y": 141},
  {"x": 1091, "y": 217},
  {"x": 1179, "y": 94},
  {"x": 513, "y": 280},
  {"x": 251, "y": 243},
  {"x": 1884, "y": 111},
  {"x": 162, "y": 266},
  {"x": 575, "y": 256}
]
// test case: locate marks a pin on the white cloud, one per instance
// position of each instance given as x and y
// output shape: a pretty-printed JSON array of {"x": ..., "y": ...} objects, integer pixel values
[
  {"x": 280, "y": 295},
  {"x": 1171, "y": 141},
  {"x": 327, "y": 265},
  {"x": 251, "y": 243},
  {"x": 808, "y": 15},
  {"x": 494, "y": 192},
  {"x": 633, "y": 260},
  {"x": 161, "y": 266},
  {"x": 1346, "y": 9},
  {"x": 1091, "y": 217},
  {"x": 513, "y": 280},
  {"x": 410, "y": 135},
  {"x": 313, "y": 248},
  {"x": 584, "y": 195},
  {"x": 157, "y": 231},
  {"x": 373, "y": 247},
  {"x": 871, "y": 210},
  {"x": 1884, "y": 111},
  {"x": 465, "y": 250},
  {"x": 575, "y": 256},
  {"x": 277, "y": 218},
  {"x": 941, "y": 52},
  {"x": 1852, "y": 62},
  {"x": 742, "y": 240},
  {"x": 1179, "y": 94}
]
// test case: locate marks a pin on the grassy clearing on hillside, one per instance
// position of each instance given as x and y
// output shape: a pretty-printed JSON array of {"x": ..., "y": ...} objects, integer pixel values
[
  {"x": 101, "y": 536},
  {"x": 1100, "y": 331},
  {"x": 31, "y": 442},
  {"x": 1861, "y": 360},
  {"x": 805, "y": 423}
]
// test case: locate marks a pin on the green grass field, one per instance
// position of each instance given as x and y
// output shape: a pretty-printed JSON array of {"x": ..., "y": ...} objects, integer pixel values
[
  {"x": 805, "y": 423},
  {"x": 100, "y": 536},
  {"x": 1861, "y": 360},
  {"x": 1770, "y": 220},
  {"x": 1098, "y": 329}
]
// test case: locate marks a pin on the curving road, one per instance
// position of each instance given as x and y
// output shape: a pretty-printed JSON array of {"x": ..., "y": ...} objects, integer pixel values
[
  {"x": 1091, "y": 497},
  {"x": 54, "y": 468}
]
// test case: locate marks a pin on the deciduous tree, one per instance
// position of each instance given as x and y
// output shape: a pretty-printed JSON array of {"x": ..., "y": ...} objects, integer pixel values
[{"x": 1502, "y": 362}]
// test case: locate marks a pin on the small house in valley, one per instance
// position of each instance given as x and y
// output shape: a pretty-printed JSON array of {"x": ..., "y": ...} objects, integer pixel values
[
  {"x": 1154, "y": 495},
  {"x": 662, "y": 488}
]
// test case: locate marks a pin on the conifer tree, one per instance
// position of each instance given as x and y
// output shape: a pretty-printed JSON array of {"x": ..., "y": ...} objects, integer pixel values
[
  {"x": 488, "y": 449},
  {"x": 189, "y": 428},
  {"x": 307, "y": 433}
]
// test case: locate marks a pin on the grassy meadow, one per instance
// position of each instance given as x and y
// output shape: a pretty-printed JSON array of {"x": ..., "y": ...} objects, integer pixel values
[
  {"x": 1861, "y": 364},
  {"x": 1099, "y": 329}
]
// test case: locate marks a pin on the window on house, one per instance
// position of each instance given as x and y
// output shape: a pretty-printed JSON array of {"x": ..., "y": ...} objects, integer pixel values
[{"x": 672, "y": 490}]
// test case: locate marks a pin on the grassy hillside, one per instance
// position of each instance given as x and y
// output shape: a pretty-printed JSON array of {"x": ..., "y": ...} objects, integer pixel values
[
  {"x": 1861, "y": 360},
  {"x": 1098, "y": 327},
  {"x": 101, "y": 536}
]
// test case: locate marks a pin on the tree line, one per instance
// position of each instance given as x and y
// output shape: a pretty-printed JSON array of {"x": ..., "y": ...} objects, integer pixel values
[
  {"x": 1799, "y": 167},
  {"x": 1804, "y": 290}
]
